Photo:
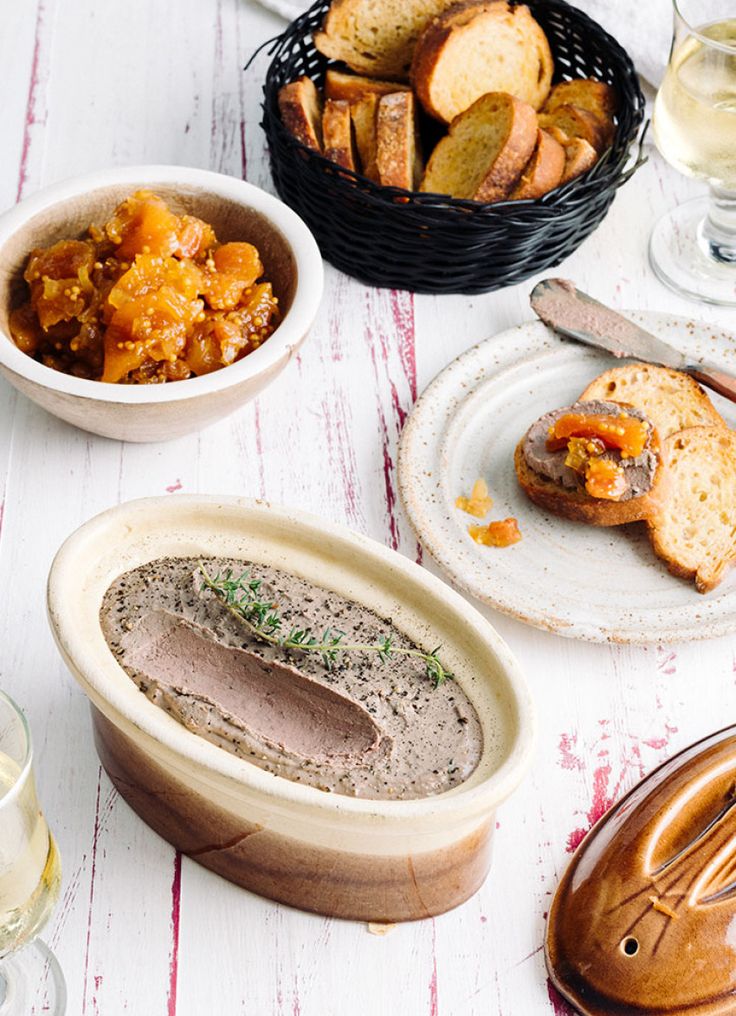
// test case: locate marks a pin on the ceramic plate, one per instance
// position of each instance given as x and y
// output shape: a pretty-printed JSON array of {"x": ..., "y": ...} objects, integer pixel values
[{"x": 603, "y": 585}]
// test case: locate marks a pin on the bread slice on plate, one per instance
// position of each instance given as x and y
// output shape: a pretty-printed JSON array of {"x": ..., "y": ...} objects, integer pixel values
[
  {"x": 474, "y": 48},
  {"x": 300, "y": 105},
  {"x": 485, "y": 150},
  {"x": 354, "y": 87},
  {"x": 581, "y": 507},
  {"x": 673, "y": 401},
  {"x": 576, "y": 122},
  {"x": 544, "y": 170},
  {"x": 398, "y": 161},
  {"x": 337, "y": 134},
  {"x": 376, "y": 37},
  {"x": 597, "y": 97},
  {"x": 694, "y": 529}
]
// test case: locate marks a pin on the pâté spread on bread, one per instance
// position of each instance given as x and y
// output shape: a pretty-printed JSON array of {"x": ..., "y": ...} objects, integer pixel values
[
  {"x": 149, "y": 297},
  {"x": 302, "y": 682},
  {"x": 596, "y": 461}
]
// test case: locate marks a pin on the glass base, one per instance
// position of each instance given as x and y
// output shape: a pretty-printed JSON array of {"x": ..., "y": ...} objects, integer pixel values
[
  {"x": 683, "y": 258},
  {"x": 31, "y": 983}
]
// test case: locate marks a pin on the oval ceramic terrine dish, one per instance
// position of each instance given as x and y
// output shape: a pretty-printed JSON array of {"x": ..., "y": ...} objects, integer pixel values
[
  {"x": 160, "y": 412},
  {"x": 353, "y": 855},
  {"x": 643, "y": 920}
]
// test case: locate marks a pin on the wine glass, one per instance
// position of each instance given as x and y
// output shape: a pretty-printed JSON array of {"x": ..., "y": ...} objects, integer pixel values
[
  {"x": 693, "y": 247},
  {"x": 30, "y": 876}
]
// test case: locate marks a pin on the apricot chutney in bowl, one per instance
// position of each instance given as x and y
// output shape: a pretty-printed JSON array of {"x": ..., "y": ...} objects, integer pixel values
[{"x": 144, "y": 303}]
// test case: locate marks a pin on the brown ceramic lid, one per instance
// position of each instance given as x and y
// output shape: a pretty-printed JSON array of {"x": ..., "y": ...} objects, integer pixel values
[{"x": 644, "y": 919}]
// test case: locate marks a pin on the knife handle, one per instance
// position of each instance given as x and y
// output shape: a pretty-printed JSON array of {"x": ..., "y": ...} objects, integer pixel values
[{"x": 724, "y": 384}]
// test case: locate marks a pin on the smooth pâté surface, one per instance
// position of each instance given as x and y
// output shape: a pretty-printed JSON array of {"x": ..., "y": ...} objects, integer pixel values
[{"x": 140, "y": 929}]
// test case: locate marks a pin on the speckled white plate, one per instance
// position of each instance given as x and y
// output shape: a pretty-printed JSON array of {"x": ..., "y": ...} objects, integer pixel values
[{"x": 603, "y": 585}]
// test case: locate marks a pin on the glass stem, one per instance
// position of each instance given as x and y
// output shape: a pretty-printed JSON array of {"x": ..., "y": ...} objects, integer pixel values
[{"x": 717, "y": 233}]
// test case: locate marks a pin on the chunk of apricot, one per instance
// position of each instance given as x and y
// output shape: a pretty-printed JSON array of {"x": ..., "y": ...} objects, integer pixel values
[
  {"x": 626, "y": 433},
  {"x": 143, "y": 224},
  {"x": 231, "y": 270},
  {"x": 150, "y": 272},
  {"x": 149, "y": 327},
  {"x": 502, "y": 533},
  {"x": 605, "y": 479}
]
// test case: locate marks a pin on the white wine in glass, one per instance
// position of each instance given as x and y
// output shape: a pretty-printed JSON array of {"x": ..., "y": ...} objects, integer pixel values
[
  {"x": 30, "y": 877},
  {"x": 693, "y": 247}
]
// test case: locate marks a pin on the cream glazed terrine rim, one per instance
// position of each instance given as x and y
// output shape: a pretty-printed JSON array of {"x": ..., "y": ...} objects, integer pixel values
[{"x": 329, "y": 555}]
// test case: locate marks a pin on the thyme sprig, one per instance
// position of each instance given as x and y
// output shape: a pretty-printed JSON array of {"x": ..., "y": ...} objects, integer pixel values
[{"x": 242, "y": 596}]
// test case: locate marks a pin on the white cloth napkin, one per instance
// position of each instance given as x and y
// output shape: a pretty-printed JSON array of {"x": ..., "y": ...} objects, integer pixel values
[{"x": 643, "y": 27}]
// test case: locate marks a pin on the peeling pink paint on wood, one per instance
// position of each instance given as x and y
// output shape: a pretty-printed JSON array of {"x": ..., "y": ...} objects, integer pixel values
[
  {"x": 93, "y": 872},
  {"x": 667, "y": 663},
  {"x": 568, "y": 760},
  {"x": 381, "y": 344},
  {"x": 174, "y": 953},
  {"x": 32, "y": 117},
  {"x": 433, "y": 995},
  {"x": 559, "y": 1006}
]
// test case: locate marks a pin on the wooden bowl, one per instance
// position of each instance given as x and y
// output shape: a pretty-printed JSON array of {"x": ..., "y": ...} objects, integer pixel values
[
  {"x": 373, "y": 860},
  {"x": 238, "y": 211}
]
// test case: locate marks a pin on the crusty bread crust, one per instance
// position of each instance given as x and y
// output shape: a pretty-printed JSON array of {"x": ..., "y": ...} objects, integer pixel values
[
  {"x": 300, "y": 105},
  {"x": 376, "y": 37},
  {"x": 337, "y": 134},
  {"x": 544, "y": 170},
  {"x": 485, "y": 150},
  {"x": 694, "y": 528},
  {"x": 672, "y": 400},
  {"x": 355, "y": 87},
  {"x": 579, "y": 155},
  {"x": 364, "y": 113},
  {"x": 576, "y": 123},
  {"x": 452, "y": 66},
  {"x": 581, "y": 507},
  {"x": 397, "y": 155},
  {"x": 597, "y": 97}
]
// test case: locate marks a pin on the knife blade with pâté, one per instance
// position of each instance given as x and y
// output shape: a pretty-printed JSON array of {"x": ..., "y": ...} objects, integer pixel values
[{"x": 575, "y": 315}]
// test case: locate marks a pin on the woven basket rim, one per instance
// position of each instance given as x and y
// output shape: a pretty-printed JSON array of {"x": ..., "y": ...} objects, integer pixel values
[{"x": 605, "y": 172}]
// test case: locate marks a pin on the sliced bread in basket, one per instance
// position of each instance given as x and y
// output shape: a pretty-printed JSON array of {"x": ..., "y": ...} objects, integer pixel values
[
  {"x": 485, "y": 150},
  {"x": 474, "y": 48}
]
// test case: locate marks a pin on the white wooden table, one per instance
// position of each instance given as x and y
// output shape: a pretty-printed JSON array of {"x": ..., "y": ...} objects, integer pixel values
[{"x": 139, "y": 930}]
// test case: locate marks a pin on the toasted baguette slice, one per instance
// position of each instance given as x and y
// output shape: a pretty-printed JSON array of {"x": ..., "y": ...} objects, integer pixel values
[
  {"x": 475, "y": 48},
  {"x": 672, "y": 400},
  {"x": 581, "y": 507},
  {"x": 694, "y": 529},
  {"x": 397, "y": 153},
  {"x": 586, "y": 93},
  {"x": 365, "y": 115},
  {"x": 376, "y": 37},
  {"x": 300, "y": 105},
  {"x": 579, "y": 155},
  {"x": 485, "y": 150},
  {"x": 544, "y": 170},
  {"x": 353, "y": 87},
  {"x": 337, "y": 134},
  {"x": 576, "y": 123}
]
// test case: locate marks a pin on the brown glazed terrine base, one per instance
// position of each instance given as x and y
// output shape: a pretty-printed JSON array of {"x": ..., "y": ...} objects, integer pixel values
[{"x": 330, "y": 882}]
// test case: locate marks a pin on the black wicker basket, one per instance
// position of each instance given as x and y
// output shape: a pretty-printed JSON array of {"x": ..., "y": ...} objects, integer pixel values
[{"x": 433, "y": 244}]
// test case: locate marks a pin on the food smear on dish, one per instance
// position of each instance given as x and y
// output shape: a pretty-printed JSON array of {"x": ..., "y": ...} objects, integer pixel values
[
  {"x": 147, "y": 298},
  {"x": 479, "y": 503},
  {"x": 502, "y": 533},
  {"x": 363, "y": 724}
]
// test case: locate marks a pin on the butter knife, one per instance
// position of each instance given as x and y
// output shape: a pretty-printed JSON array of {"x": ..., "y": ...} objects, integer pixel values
[{"x": 575, "y": 315}]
